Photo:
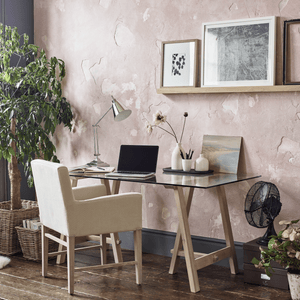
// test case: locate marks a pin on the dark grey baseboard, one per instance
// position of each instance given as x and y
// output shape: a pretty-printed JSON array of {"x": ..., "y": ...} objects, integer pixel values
[{"x": 161, "y": 242}]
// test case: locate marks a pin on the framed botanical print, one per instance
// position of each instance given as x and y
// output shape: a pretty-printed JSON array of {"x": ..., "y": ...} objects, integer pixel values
[
  {"x": 239, "y": 53},
  {"x": 179, "y": 65}
]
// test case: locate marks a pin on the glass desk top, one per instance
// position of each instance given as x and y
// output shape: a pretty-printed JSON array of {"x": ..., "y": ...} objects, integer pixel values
[{"x": 203, "y": 181}]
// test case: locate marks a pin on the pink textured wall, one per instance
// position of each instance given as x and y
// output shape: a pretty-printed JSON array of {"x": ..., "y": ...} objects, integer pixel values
[{"x": 113, "y": 47}]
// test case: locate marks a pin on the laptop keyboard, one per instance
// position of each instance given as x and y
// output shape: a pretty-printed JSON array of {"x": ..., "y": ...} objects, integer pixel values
[{"x": 132, "y": 172}]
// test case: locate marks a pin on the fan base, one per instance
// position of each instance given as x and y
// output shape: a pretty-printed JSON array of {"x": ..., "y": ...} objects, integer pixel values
[{"x": 264, "y": 240}]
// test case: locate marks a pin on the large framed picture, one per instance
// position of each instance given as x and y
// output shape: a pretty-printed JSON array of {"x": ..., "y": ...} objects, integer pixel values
[
  {"x": 239, "y": 53},
  {"x": 179, "y": 65}
]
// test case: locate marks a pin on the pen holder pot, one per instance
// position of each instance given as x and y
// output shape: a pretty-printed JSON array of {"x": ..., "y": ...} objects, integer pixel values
[{"x": 186, "y": 165}]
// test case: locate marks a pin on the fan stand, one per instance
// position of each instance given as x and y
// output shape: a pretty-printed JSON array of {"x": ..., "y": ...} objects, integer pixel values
[{"x": 264, "y": 240}]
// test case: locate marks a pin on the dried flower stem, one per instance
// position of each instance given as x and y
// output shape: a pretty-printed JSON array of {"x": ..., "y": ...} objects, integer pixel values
[
  {"x": 174, "y": 134},
  {"x": 166, "y": 131},
  {"x": 182, "y": 129}
]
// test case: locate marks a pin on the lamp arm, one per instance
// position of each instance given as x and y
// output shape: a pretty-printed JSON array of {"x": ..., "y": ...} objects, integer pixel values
[{"x": 102, "y": 116}]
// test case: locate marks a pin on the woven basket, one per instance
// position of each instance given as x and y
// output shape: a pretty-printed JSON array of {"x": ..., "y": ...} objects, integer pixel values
[
  {"x": 9, "y": 219},
  {"x": 31, "y": 243}
]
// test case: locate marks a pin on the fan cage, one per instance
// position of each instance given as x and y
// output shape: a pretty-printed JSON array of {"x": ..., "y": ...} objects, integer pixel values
[{"x": 262, "y": 204}]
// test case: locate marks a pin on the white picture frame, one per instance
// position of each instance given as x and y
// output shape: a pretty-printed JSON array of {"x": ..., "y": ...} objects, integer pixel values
[
  {"x": 179, "y": 63},
  {"x": 239, "y": 53}
]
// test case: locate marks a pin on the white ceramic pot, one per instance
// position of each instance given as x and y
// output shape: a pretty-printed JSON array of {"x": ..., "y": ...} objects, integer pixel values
[
  {"x": 176, "y": 162},
  {"x": 202, "y": 163},
  {"x": 294, "y": 283},
  {"x": 186, "y": 165}
]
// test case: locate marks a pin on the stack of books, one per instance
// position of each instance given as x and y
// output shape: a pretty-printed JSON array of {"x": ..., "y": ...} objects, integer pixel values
[
  {"x": 87, "y": 169},
  {"x": 32, "y": 224}
]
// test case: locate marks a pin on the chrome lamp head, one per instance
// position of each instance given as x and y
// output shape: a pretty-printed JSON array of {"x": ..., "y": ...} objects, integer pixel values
[{"x": 120, "y": 114}]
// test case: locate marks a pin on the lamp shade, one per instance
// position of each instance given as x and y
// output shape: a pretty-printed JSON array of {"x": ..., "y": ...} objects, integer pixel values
[{"x": 120, "y": 113}]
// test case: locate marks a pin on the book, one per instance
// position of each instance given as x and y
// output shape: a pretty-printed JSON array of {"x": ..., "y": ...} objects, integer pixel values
[
  {"x": 32, "y": 223},
  {"x": 85, "y": 169}
]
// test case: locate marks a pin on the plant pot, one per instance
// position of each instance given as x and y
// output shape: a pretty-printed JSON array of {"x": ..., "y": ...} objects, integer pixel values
[
  {"x": 294, "y": 283},
  {"x": 9, "y": 219},
  {"x": 31, "y": 243}
]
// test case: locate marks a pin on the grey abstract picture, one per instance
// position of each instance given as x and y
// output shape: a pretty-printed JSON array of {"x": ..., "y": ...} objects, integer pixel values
[
  {"x": 241, "y": 53},
  {"x": 178, "y": 63}
]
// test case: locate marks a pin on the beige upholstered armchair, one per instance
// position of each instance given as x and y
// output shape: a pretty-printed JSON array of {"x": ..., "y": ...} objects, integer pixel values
[{"x": 81, "y": 212}]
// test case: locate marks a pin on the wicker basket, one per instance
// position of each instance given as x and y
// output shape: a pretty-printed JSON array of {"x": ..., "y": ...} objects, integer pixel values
[
  {"x": 9, "y": 219},
  {"x": 31, "y": 243}
]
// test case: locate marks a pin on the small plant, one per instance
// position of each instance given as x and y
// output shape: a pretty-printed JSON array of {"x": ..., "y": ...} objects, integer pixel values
[
  {"x": 31, "y": 105},
  {"x": 159, "y": 119},
  {"x": 283, "y": 249}
]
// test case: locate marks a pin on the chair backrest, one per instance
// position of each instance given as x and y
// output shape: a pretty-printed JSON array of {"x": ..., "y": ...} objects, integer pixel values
[
  {"x": 54, "y": 194},
  {"x": 222, "y": 152}
]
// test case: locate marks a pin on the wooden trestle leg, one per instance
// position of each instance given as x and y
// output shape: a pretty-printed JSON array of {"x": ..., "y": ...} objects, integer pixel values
[{"x": 194, "y": 260}]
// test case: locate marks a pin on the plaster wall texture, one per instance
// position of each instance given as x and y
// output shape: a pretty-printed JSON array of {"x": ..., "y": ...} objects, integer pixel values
[{"x": 113, "y": 47}]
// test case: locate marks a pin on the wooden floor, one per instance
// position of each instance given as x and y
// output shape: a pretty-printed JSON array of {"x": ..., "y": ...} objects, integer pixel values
[{"x": 22, "y": 279}]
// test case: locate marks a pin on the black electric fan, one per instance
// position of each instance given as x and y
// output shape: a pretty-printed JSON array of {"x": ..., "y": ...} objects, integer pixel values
[{"x": 262, "y": 206}]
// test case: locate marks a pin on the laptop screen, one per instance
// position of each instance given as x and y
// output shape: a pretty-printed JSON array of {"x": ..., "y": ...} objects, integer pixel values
[{"x": 138, "y": 158}]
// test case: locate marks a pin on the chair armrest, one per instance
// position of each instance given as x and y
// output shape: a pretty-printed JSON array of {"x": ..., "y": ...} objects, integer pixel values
[
  {"x": 112, "y": 213},
  {"x": 89, "y": 192}
]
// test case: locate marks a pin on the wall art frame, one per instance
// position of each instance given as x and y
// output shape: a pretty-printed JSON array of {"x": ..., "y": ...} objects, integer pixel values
[
  {"x": 287, "y": 52},
  {"x": 239, "y": 52},
  {"x": 179, "y": 63}
]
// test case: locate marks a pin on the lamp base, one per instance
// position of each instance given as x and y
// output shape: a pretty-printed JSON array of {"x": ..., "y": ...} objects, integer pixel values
[
  {"x": 102, "y": 164},
  {"x": 98, "y": 163}
]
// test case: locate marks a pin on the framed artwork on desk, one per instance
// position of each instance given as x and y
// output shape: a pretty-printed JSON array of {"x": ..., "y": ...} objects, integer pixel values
[
  {"x": 238, "y": 53},
  {"x": 179, "y": 63}
]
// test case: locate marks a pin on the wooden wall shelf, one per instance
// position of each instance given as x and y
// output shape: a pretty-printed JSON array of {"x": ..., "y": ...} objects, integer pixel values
[{"x": 224, "y": 90}]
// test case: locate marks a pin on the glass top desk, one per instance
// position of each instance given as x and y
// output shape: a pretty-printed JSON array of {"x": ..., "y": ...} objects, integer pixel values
[{"x": 183, "y": 186}]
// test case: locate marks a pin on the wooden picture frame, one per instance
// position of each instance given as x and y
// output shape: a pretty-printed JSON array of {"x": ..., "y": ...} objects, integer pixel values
[
  {"x": 239, "y": 53},
  {"x": 179, "y": 63},
  {"x": 289, "y": 55}
]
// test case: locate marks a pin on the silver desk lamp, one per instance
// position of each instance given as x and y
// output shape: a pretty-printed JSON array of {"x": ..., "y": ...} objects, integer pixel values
[{"x": 120, "y": 114}]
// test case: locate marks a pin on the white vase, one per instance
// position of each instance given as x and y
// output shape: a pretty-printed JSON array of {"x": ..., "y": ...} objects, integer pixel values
[
  {"x": 176, "y": 162},
  {"x": 294, "y": 283},
  {"x": 202, "y": 163}
]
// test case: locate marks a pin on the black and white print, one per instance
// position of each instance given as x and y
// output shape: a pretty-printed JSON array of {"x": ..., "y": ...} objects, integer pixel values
[
  {"x": 239, "y": 52},
  {"x": 178, "y": 63}
]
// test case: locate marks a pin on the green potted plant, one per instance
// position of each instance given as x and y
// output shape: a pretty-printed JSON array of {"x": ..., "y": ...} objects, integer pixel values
[
  {"x": 285, "y": 250},
  {"x": 31, "y": 107}
]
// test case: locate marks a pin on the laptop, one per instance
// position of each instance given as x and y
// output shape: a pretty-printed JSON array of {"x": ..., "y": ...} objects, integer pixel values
[{"x": 136, "y": 161}]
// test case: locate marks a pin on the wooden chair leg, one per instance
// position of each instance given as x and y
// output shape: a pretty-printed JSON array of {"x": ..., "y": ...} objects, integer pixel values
[
  {"x": 45, "y": 243},
  {"x": 138, "y": 255},
  {"x": 60, "y": 259},
  {"x": 71, "y": 263}
]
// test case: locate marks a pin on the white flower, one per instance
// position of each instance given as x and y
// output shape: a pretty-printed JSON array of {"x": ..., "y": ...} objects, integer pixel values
[
  {"x": 293, "y": 235},
  {"x": 286, "y": 233},
  {"x": 284, "y": 222},
  {"x": 297, "y": 236},
  {"x": 159, "y": 118},
  {"x": 298, "y": 255},
  {"x": 149, "y": 127}
]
